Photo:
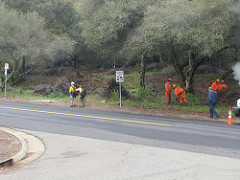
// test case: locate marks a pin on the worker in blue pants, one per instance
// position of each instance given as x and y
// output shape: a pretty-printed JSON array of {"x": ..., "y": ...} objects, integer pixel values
[{"x": 212, "y": 99}]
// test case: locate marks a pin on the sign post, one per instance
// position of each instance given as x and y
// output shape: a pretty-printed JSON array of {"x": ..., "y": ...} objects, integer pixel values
[
  {"x": 120, "y": 79},
  {"x": 6, "y": 68}
]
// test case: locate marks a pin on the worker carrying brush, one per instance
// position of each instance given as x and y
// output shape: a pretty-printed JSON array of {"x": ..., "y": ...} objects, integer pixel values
[
  {"x": 180, "y": 94},
  {"x": 168, "y": 89},
  {"x": 222, "y": 86},
  {"x": 215, "y": 86}
]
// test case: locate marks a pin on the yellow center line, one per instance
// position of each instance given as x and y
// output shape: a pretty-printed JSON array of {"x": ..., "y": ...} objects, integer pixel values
[{"x": 95, "y": 117}]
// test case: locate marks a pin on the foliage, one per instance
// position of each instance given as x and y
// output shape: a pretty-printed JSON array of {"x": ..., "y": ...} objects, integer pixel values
[
  {"x": 24, "y": 41},
  {"x": 102, "y": 33},
  {"x": 115, "y": 95},
  {"x": 108, "y": 27},
  {"x": 98, "y": 79},
  {"x": 23, "y": 90},
  {"x": 186, "y": 38},
  {"x": 143, "y": 93},
  {"x": 131, "y": 81}
]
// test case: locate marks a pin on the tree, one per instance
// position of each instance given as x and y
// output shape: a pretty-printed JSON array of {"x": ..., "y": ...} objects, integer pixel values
[
  {"x": 188, "y": 33},
  {"x": 108, "y": 28},
  {"x": 24, "y": 40}
]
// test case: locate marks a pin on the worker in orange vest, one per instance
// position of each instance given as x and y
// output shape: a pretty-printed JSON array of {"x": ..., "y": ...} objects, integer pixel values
[
  {"x": 180, "y": 94},
  {"x": 215, "y": 85},
  {"x": 222, "y": 86},
  {"x": 168, "y": 89}
]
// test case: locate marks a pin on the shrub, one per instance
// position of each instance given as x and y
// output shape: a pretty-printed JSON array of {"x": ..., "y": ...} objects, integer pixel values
[
  {"x": 143, "y": 93},
  {"x": 193, "y": 99},
  {"x": 23, "y": 90}
]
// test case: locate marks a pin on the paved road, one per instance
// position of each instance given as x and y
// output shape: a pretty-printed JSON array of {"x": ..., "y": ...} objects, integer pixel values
[
  {"x": 124, "y": 141},
  {"x": 191, "y": 135}
]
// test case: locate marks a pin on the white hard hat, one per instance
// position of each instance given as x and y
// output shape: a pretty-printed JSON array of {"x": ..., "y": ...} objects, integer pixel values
[{"x": 72, "y": 83}]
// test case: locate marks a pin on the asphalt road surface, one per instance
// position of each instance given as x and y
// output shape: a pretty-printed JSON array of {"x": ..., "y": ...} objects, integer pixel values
[
  {"x": 199, "y": 137},
  {"x": 191, "y": 135}
]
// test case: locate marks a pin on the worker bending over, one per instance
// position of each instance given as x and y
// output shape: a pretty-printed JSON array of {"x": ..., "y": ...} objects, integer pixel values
[
  {"x": 180, "y": 94},
  {"x": 82, "y": 93}
]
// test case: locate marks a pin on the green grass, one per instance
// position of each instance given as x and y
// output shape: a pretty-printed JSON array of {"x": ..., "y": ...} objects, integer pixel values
[
  {"x": 160, "y": 102},
  {"x": 27, "y": 93},
  {"x": 58, "y": 96}
]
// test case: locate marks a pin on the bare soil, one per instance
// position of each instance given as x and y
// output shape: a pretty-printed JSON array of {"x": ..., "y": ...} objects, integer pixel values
[{"x": 9, "y": 146}]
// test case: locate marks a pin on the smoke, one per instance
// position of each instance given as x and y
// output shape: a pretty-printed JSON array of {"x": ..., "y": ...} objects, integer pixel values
[{"x": 236, "y": 72}]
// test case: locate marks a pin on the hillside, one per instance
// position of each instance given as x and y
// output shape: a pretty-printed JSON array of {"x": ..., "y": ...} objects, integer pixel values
[{"x": 97, "y": 81}]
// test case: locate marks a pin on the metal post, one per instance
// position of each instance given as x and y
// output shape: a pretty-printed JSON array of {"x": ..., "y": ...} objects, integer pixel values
[
  {"x": 120, "y": 93},
  {"x": 5, "y": 83}
]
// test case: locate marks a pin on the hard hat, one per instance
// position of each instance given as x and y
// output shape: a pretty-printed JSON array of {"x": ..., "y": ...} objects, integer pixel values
[
  {"x": 174, "y": 86},
  {"x": 169, "y": 79},
  {"x": 210, "y": 88},
  {"x": 218, "y": 80},
  {"x": 72, "y": 83},
  {"x": 222, "y": 81}
]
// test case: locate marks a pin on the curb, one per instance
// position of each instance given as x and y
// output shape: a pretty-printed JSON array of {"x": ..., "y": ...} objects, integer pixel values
[{"x": 21, "y": 154}]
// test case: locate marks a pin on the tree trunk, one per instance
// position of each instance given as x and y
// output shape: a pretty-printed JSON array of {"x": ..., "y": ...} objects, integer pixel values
[
  {"x": 190, "y": 80},
  {"x": 13, "y": 71},
  {"x": 75, "y": 59},
  {"x": 23, "y": 62},
  {"x": 193, "y": 64},
  {"x": 178, "y": 67},
  {"x": 142, "y": 71},
  {"x": 189, "y": 85}
]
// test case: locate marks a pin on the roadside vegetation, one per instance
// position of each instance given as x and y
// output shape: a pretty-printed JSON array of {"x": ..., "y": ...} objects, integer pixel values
[
  {"x": 49, "y": 43},
  {"x": 140, "y": 96}
]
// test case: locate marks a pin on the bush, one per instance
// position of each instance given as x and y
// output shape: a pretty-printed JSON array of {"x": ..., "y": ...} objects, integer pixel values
[
  {"x": 193, "y": 100},
  {"x": 23, "y": 90},
  {"x": 143, "y": 93}
]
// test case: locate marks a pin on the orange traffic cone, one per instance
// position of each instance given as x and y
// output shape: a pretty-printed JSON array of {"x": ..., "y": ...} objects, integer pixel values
[{"x": 230, "y": 118}]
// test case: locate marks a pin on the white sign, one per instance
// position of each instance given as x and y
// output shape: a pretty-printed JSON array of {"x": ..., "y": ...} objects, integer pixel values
[
  {"x": 119, "y": 76},
  {"x": 6, "y": 66}
]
